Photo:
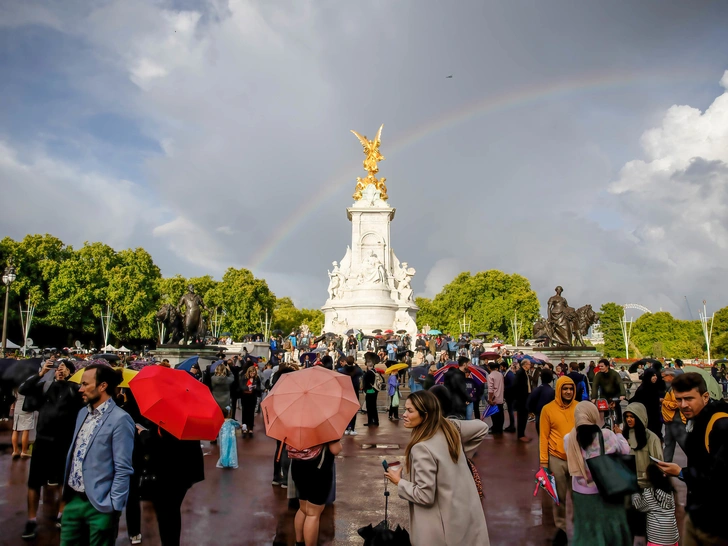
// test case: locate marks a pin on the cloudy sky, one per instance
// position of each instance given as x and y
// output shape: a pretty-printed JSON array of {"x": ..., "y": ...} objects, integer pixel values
[{"x": 577, "y": 143}]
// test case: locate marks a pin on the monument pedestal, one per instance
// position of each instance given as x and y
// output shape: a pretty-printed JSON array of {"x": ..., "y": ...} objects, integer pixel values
[
  {"x": 370, "y": 289},
  {"x": 571, "y": 354},
  {"x": 177, "y": 353}
]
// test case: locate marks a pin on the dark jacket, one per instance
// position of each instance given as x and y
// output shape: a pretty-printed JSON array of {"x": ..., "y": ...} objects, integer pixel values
[
  {"x": 581, "y": 383},
  {"x": 59, "y": 406},
  {"x": 707, "y": 473},
  {"x": 648, "y": 394},
  {"x": 278, "y": 374},
  {"x": 607, "y": 385},
  {"x": 243, "y": 385},
  {"x": 355, "y": 373},
  {"x": 368, "y": 380},
  {"x": 175, "y": 463},
  {"x": 542, "y": 395},
  {"x": 428, "y": 382},
  {"x": 509, "y": 385},
  {"x": 454, "y": 381},
  {"x": 521, "y": 390}
]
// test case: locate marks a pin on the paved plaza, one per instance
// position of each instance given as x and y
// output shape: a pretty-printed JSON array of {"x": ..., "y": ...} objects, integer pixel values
[{"x": 241, "y": 507}]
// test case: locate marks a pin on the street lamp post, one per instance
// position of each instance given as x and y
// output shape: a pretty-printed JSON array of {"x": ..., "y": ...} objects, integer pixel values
[{"x": 9, "y": 277}]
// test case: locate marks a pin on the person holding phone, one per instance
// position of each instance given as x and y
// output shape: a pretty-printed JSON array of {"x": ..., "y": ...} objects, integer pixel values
[
  {"x": 444, "y": 504},
  {"x": 57, "y": 407}
]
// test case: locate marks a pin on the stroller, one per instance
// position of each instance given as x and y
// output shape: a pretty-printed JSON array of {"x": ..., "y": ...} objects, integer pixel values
[{"x": 381, "y": 534}]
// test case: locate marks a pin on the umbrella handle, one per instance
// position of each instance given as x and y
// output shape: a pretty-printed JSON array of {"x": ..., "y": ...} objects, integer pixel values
[{"x": 280, "y": 450}]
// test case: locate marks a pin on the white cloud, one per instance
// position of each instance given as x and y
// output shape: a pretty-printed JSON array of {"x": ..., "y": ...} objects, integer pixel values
[{"x": 84, "y": 205}]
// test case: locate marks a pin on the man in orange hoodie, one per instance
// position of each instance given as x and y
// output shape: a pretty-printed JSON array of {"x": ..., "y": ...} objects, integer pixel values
[{"x": 557, "y": 420}]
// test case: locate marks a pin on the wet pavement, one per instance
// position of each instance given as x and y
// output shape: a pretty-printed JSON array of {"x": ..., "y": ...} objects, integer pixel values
[{"x": 242, "y": 507}]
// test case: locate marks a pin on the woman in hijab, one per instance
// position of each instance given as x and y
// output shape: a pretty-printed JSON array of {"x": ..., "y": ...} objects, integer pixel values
[
  {"x": 596, "y": 521},
  {"x": 648, "y": 394}
]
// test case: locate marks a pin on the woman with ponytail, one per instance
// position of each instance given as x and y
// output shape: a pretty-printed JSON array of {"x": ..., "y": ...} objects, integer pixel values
[{"x": 444, "y": 504}]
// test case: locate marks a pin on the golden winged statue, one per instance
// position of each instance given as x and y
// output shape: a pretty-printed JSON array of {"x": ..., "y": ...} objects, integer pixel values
[{"x": 373, "y": 157}]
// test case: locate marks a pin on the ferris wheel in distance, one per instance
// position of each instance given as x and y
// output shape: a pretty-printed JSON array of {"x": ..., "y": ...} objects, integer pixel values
[{"x": 636, "y": 306}]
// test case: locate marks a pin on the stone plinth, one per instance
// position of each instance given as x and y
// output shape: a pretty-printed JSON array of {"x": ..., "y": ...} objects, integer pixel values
[
  {"x": 570, "y": 354},
  {"x": 176, "y": 354},
  {"x": 370, "y": 289}
]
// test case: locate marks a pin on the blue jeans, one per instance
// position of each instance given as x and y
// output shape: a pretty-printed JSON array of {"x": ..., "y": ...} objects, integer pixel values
[
  {"x": 414, "y": 387},
  {"x": 469, "y": 409}
]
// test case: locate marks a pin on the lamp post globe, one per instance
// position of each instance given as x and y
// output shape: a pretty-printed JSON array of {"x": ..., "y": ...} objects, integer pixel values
[{"x": 9, "y": 277}]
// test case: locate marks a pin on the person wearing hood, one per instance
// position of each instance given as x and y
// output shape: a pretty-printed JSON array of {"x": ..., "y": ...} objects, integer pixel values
[
  {"x": 643, "y": 444},
  {"x": 648, "y": 394},
  {"x": 556, "y": 421}
]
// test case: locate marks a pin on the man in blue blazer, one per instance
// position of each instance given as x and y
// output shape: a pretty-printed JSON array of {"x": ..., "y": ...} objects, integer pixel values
[{"x": 98, "y": 466}]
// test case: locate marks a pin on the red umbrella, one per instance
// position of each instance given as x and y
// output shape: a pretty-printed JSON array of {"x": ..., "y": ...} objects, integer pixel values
[
  {"x": 476, "y": 373},
  {"x": 489, "y": 355},
  {"x": 388, "y": 331},
  {"x": 177, "y": 402},
  {"x": 309, "y": 407},
  {"x": 496, "y": 345}
]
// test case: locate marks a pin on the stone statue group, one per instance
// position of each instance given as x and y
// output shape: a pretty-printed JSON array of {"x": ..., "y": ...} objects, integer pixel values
[
  {"x": 564, "y": 326},
  {"x": 183, "y": 322},
  {"x": 372, "y": 272}
]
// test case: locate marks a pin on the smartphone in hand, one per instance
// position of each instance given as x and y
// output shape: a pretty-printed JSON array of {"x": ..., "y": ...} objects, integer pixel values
[{"x": 385, "y": 464}]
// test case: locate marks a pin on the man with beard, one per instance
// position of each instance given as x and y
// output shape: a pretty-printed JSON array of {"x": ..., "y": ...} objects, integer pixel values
[
  {"x": 57, "y": 404},
  {"x": 557, "y": 420},
  {"x": 99, "y": 464}
]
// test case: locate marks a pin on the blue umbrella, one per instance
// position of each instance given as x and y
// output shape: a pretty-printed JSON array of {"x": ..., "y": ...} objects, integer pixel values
[
  {"x": 215, "y": 365},
  {"x": 434, "y": 332},
  {"x": 186, "y": 364},
  {"x": 490, "y": 410}
]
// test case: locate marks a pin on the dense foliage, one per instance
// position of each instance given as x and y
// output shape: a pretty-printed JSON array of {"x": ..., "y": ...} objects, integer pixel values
[
  {"x": 488, "y": 300},
  {"x": 71, "y": 288}
]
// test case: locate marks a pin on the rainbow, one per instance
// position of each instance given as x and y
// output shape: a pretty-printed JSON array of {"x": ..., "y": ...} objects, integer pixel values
[{"x": 481, "y": 107}]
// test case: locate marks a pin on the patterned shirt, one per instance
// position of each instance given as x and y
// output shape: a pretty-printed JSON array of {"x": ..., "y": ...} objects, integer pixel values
[{"x": 90, "y": 424}]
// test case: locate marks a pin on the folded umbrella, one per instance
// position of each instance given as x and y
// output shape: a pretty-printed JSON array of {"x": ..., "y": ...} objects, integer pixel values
[
  {"x": 546, "y": 481},
  {"x": 490, "y": 410},
  {"x": 178, "y": 403},
  {"x": 309, "y": 407}
]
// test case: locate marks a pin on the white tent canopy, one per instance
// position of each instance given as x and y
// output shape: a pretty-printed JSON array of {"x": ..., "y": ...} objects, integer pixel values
[
  {"x": 123, "y": 349},
  {"x": 10, "y": 345},
  {"x": 109, "y": 348}
]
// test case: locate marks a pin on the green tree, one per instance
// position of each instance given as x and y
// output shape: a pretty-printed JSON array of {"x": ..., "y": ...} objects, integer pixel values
[
  {"x": 133, "y": 293},
  {"x": 245, "y": 300},
  {"x": 287, "y": 317},
  {"x": 610, "y": 316},
  {"x": 171, "y": 289},
  {"x": 719, "y": 342},
  {"x": 679, "y": 338},
  {"x": 488, "y": 299},
  {"x": 79, "y": 291},
  {"x": 37, "y": 259}
]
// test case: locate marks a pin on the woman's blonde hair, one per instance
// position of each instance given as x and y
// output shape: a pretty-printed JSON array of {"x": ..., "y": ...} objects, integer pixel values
[
  {"x": 221, "y": 370},
  {"x": 428, "y": 406},
  {"x": 248, "y": 374}
]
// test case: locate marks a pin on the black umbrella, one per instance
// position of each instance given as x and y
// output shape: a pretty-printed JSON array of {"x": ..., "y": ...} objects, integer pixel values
[
  {"x": 109, "y": 357},
  {"x": 277, "y": 332},
  {"x": 384, "y": 536},
  {"x": 16, "y": 371},
  {"x": 371, "y": 357},
  {"x": 721, "y": 361},
  {"x": 483, "y": 334},
  {"x": 647, "y": 362},
  {"x": 377, "y": 331},
  {"x": 463, "y": 343},
  {"x": 402, "y": 354},
  {"x": 401, "y": 331}
]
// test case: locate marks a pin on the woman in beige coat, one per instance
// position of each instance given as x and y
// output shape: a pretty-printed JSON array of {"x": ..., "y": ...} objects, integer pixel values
[{"x": 445, "y": 508}]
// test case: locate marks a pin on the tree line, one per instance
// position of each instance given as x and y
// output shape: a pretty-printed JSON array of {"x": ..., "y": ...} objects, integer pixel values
[{"x": 71, "y": 288}]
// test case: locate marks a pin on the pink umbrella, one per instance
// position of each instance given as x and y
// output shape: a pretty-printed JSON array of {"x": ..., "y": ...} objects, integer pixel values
[
  {"x": 540, "y": 356},
  {"x": 309, "y": 407}
]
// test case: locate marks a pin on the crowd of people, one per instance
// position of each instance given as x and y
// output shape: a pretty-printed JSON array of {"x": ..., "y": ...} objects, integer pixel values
[{"x": 99, "y": 456}]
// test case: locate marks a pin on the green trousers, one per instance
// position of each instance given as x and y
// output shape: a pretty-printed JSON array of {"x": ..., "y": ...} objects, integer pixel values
[{"x": 83, "y": 524}]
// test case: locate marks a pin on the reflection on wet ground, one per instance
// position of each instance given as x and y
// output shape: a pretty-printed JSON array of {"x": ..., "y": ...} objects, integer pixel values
[{"x": 242, "y": 507}]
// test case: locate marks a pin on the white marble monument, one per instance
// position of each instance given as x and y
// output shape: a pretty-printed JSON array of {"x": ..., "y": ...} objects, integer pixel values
[{"x": 370, "y": 288}]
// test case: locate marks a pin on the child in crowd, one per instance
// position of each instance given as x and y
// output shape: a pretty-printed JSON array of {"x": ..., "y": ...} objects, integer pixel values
[{"x": 658, "y": 502}]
